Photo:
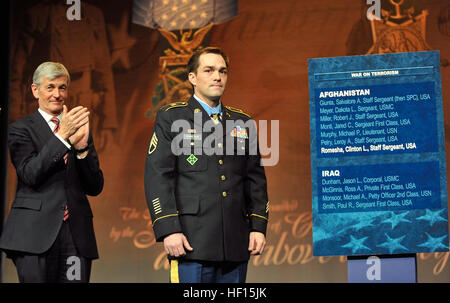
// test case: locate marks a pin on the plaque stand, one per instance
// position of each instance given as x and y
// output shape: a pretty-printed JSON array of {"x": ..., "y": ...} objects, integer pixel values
[{"x": 400, "y": 268}]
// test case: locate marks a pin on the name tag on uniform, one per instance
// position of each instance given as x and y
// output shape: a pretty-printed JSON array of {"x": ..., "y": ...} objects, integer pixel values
[{"x": 192, "y": 137}]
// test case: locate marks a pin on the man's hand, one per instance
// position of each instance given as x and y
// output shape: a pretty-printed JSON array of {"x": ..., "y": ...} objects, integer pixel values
[
  {"x": 72, "y": 120},
  {"x": 257, "y": 243},
  {"x": 80, "y": 138},
  {"x": 175, "y": 244}
]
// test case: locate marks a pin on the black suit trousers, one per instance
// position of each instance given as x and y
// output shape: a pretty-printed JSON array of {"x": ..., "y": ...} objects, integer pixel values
[{"x": 61, "y": 263}]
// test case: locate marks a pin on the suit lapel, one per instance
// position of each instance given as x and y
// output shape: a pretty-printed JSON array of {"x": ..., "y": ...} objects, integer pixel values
[
  {"x": 45, "y": 133},
  {"x": 41, "y": 126}
]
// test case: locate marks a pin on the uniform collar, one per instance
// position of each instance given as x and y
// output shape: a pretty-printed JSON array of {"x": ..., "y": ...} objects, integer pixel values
[{"x": 209, "y": 110}]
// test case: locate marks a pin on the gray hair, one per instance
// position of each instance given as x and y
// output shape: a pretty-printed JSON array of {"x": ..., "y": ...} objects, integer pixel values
[{"x": 50, "y": 70}]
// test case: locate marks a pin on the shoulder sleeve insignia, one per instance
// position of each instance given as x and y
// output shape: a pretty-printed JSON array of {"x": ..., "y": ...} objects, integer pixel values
[
  {"x": 237, "y": 110},
  {"x": 175, "y": 104},
  {"x": 153, "y": 144}
]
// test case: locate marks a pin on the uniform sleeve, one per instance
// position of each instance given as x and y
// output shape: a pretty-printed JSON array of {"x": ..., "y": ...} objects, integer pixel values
[
  {"x": 159, "y": 179},
  {"x": 256, "y": 187}
]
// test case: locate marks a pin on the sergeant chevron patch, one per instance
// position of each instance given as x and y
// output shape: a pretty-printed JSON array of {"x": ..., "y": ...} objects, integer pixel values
[{"x": 153, "y": 144}]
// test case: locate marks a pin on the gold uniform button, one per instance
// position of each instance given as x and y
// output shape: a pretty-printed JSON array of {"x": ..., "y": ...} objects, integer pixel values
[
  {"x": 224, "y": 194},
  {"x": 222, "y": 178},
  {"x": 220, "y": 161},
  {"x": 219, "y": 145}
]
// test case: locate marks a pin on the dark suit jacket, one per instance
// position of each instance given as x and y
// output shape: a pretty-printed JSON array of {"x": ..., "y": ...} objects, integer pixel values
[
  {"x": 214, "y": 199},
  {"x": 45, "y": 185}
]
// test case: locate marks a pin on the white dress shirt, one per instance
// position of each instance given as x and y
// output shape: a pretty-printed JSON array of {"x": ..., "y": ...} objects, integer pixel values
[{"x": 52, "y": 125}]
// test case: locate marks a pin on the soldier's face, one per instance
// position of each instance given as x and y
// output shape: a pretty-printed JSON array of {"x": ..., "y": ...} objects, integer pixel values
[
  {"x": 51, "y": 94},
  {"x": 211, "y": 77}
]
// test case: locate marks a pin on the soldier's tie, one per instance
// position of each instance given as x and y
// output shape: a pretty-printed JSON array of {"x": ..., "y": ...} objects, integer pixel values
[
  {"x": 56, "y": 121},
  {"x": 216, "y": 118}
]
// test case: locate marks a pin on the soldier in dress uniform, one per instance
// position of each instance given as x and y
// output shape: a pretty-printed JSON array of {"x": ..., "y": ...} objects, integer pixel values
[{"x": 205, "y": 185}]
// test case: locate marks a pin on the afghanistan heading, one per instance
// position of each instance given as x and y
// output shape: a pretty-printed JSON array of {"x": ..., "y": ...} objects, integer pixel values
[{"x": 345, "y": 93}]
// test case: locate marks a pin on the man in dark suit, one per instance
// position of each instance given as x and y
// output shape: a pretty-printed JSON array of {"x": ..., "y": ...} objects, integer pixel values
[
  {"x": 205, "y": 186},
  {"x": 49, "y": 231}
]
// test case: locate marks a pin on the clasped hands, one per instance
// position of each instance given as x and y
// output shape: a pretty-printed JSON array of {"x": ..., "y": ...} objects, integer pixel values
[{"x": 74, "y": 126}]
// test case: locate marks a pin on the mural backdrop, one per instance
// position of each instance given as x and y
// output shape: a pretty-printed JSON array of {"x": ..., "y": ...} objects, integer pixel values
[{"x": 127, "y": 58}]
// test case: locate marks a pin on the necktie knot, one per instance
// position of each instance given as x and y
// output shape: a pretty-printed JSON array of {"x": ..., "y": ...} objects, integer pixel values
[{"x": 215, "y": 118}]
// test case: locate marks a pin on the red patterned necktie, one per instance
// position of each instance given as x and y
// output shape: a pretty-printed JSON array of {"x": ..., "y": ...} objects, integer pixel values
[
  {"x": 56, "y": 121},
  {"x": 66, "y": 213}
]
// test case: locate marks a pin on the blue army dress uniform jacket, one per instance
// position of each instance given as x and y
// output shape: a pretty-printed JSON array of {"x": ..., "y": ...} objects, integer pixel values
[{"x": 214, "y": 199}]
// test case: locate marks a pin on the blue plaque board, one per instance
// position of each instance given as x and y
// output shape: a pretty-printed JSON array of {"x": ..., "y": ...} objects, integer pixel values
[{"x": 378, "y": 165}]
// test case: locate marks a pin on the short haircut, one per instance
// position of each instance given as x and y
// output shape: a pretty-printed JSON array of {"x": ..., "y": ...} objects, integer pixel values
[
  {"x": 50, "y": 70},
  {"x": 193, "y": 63}
]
